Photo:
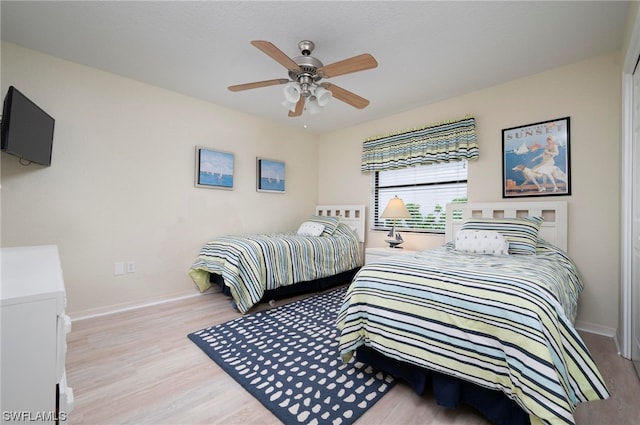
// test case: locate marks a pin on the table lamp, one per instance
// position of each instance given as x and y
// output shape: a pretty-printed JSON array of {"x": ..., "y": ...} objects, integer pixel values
[{"x": 395, "y": 209}]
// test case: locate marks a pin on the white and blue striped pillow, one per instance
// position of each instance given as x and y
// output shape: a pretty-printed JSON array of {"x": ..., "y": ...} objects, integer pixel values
[
  {"x": 344, "y": 230},
  {"x": 330, "y": 223},
  {"x": 522, "y": 233}
]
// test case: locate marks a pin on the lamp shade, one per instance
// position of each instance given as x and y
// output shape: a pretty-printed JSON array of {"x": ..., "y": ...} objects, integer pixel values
[
  {"x": 323, "y": 96},
  {"x": 290, "y": 105},
  {"x": 292, "y": 92},
  {"x": 312, "y": 106},
  {"x": 395, "y": 209}
]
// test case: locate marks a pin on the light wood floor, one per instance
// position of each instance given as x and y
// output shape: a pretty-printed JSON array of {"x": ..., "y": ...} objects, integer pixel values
[{"x": 139, "y": 367}]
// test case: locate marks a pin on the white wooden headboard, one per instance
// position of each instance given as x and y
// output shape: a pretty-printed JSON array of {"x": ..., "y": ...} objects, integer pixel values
[
  {"x": 553, "y": 229},
  {"x": 352, "y": 215}
]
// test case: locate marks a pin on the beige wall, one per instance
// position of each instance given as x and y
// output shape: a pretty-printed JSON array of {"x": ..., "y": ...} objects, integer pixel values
[
  {"x": 121, "y": 184},
  {"x": 589, "y": 93}
]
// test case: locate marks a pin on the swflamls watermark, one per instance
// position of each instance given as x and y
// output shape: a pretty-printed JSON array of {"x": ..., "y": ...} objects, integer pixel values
[{"x": 28, "y": 416}]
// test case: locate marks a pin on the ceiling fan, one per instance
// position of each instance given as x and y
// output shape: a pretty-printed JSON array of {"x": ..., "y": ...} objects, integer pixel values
[{"x": 303, "y": 87}]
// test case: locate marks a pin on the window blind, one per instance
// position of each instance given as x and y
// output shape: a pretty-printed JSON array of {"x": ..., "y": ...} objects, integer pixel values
[{"x": 425, "y": 190}]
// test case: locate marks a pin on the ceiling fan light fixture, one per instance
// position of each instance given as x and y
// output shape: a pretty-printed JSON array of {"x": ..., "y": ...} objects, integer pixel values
[
  {"x": 289, "y": 105},
  {"x": 313, "y": 106},
  {"x": 323, "y": 96},
  {"x": 292, "y": 92}
]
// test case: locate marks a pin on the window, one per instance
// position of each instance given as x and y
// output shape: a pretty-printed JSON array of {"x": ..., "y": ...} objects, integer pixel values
[{"x": 425, "y": 190}]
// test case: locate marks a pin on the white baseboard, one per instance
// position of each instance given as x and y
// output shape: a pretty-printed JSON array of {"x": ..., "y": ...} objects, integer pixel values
[
  {"x": 119, "y": 308},
  {"x": 620, "y": 353},
  {"x": 595, "y": 328}
]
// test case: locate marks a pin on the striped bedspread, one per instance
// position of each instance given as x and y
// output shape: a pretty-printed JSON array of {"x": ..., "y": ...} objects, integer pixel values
[
  {"x": 501, "y": 322},
  {"x": 252, "y": 264}
]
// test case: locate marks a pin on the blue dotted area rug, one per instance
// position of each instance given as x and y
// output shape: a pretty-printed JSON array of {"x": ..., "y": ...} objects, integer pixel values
[{"x": 288, "y": 359}]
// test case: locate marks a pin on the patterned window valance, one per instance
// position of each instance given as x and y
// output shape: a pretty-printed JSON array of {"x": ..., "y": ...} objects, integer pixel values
[{"x": 442, "y": 142}]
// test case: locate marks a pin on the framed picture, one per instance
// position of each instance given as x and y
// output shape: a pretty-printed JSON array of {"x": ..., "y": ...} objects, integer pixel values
[
  {"x": 214, "y": 169},
  {"x": 270, "y": 175},
  {"x": 536, "y": 159}
]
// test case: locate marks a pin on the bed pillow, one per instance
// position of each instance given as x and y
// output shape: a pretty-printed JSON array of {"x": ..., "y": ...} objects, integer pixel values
[
  {"x": 485, "y": 242},
  {"x": 310, "y": 228},
  {"x": 329, "y": 223},
  {"x": 521, "y": 233},
  {"x": 344, "y": 230}
]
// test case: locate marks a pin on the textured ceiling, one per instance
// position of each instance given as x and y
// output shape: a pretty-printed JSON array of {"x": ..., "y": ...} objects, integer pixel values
[{"x": 426, "y": 51}]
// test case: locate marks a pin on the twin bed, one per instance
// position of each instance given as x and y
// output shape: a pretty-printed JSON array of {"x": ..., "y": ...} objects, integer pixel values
[
  {"x": 486, "y": 319},
  {"x": 264, "y": 267}
]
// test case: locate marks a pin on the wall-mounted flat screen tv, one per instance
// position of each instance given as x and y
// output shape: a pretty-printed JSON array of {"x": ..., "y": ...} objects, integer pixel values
[{"x": 27, "y": 130}]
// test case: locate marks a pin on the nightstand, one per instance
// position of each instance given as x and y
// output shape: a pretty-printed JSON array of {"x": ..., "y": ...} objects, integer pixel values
[{"x": 375, "y": 254}]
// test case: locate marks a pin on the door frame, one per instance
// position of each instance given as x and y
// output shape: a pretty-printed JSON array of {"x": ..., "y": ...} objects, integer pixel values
[{"x": 625, "y": 328}]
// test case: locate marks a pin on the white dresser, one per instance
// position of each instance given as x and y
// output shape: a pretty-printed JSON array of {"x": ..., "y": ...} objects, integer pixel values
[{"x": 33, "y": 329}]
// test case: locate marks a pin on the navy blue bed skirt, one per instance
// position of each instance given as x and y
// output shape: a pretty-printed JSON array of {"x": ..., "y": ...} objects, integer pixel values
[
  {"x": 448, "y": 391},
  {"x": 295, "y": 289}
]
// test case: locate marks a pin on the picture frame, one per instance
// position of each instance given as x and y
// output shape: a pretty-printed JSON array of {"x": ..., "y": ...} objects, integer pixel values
[
  {"x": 536, "y": 159},
  {"x": 214, "y": 169},
  {"x": 270, "y": 175}
]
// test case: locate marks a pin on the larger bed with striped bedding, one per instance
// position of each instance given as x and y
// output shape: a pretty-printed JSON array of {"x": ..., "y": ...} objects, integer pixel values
[{"x": 499, "y": 322}]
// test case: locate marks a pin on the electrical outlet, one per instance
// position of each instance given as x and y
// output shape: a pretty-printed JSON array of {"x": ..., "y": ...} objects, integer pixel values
[
  {"x": 118, "y": 268},
  {"x": 131, "y": 266}
]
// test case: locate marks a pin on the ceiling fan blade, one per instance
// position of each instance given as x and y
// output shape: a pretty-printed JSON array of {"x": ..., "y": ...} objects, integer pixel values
[
  {"x": 299, "y": 108},
  {"x": 258, "y": 84},
  {"x": 347, "y": 66},
  {"x": 346, "y": 96},
  {"x": 276, "y": 54}
]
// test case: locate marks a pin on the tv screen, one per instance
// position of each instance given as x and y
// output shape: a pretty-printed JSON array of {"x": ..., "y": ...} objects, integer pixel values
[{"x": 27, "y": 130}]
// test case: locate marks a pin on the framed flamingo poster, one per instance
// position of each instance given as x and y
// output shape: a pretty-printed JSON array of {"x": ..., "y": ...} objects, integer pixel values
[
  {"x": 214, "y": 169},
  {"x": 536, "y": 159}
]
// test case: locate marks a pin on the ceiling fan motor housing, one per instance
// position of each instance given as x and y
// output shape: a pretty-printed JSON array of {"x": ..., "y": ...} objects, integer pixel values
[
  {"x": 308, "y": 72},
  {"x": 308, "y": 67}
]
